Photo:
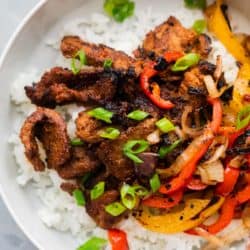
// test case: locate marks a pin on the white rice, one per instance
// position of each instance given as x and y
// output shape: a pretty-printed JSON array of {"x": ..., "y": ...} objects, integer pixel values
[{"x": 59, "y": 210}]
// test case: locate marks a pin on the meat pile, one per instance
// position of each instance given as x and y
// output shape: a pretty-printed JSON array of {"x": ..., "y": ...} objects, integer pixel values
[{"x": 116, "y": 89}]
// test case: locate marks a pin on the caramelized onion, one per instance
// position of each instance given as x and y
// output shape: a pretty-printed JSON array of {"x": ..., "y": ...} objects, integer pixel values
[
  {"x": 220, "y": 151},
  {"x": 212, "y": 88},
  {"x": 211, "y": 173},
  {"x": 237, "y": 161},
  {"x": 184, "y": 158},
  {"x": 184, "y": 123},
  {"x": 235, "y": 235},
  {"x": 218, "y": 70},
  {"x": 154, "y": 137}
]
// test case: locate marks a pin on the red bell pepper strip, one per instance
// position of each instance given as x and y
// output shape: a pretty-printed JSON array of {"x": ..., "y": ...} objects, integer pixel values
[
  {"x": 181, "y": 180},
  {"x": 155, "y": 97},
  {"x": 230, "y": 174},
  {"x": 172, "y": 56},
  {"x": 196, "y": 184},
  {"x": 230, "y": 178},
  {"x": 243, "y": 195},
  {"x": 118, "y": 239},
  {"x": 217, "y": 114},
  {"x": 164, "y": 202},
  {"x": 226, "y": 215}
]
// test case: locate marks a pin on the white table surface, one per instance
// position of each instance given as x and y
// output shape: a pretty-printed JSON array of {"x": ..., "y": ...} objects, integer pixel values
[{"x": 11, "y": 14}]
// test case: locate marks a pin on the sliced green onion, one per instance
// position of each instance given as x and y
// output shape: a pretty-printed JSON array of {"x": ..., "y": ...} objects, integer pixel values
[
  {"x": 119, "y": 9},
  {"x": 97, "y": 190},
  {"x": 94, "y": 243},
  {"x": 133, "y": 157},
  {"x": 133, "y": 147},
  {"x": 81, "y": 57},
  {"x": 167, "y": 149},
  {"x": 199, "y": 26},
  {"x": 115, "y": 209},
  {"x": 128, "y": 196},
  {"x": 76, "y": 142},
  {"x": 155, "y": 182},
  {"x": 243, "y": 117},
  {"x": 101, "y": 114},
  {"x": 196, "y": 4},
  {"x": 79, "y": 197},
  {"x": 110, "y": 133},
  {"x": 138, "y": 115},
  {"x": 186, "y": 62},
  {"x": 140, "y": 191},
  {"x": 107, "y": 63},
  {"x": 165, "y": 125}
]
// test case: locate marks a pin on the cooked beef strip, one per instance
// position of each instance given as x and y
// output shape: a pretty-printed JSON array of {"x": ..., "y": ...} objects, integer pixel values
[
  {"x": 96, "y": 209},
  {"x": 70, "y": 187},
  {"x": 81, "y": 162},
  {"x": 88, "y": 128},
  {"x": 97, "y": 54},
  {"x": 172, "y": 36},
  {"x": 111, "y": 155},
  {"x": 50, "y": 129},
  {"x": 60, "y": 86}
]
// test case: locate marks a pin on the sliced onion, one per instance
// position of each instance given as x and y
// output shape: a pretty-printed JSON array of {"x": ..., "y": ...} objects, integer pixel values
[
  {"x": 211, "y": 87},
  {"x": 218, "y": 70},
  {"x": 235, "y": 235},
  {"x": 211, "y": 173},
  {"x": 184, "y": 123},
  {"x": 220, "y": 151},
  {"x": 246, "y": 216},
  {"x": 213, "y": 240},
  {"x": 237, "y": 161},
  {"x": 180, "y": 133},
  {"x": 154, "y": 137},
  {"x": 185, "y": 157}
]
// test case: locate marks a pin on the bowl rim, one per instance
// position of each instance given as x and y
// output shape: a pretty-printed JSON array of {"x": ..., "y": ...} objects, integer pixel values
[{"x": 3, "y": 57}]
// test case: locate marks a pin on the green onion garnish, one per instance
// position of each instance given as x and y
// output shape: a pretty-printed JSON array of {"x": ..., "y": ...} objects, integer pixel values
[
  {"x": 167, "y": 149},
  {"x": 94, "y": 243},
  {"x": 119, "y": 9},
  {"x": 196, "y": 4},
  {"x": 138, "y": 115},
  {"x": 81, "y": 57},
  {"x": 199, "y": 26},
  {"x": 107, "y": 63},
  {"x": 133, "y": 147},
  {"x": 76, "y": 142},
  {"x": 97, "y": 190},
  {"x": 243, "y": 117},
  {"x": 115, "y": 209},
  {"x": 140, "y": 191},
  {"x": 101, "y": 114},
  {"x": 79, "y": 197},
  {"x": 110, "y": 133},
  {"x": 128, "y": 196},
  {"x": 155, "y": 182},
  {"x": 165, "y": 125},
  {"x": 186, "y": 62}
]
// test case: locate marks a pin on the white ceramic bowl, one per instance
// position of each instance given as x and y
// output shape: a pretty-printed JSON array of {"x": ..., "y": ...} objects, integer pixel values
[{"x": 25, "y": 49}]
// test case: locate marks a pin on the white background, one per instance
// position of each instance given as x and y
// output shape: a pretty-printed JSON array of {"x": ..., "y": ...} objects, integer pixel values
[{"x": 11, "y": 14}]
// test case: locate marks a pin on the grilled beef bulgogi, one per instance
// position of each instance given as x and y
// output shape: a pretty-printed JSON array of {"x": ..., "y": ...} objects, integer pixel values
[{"x": 117, "y": 89}]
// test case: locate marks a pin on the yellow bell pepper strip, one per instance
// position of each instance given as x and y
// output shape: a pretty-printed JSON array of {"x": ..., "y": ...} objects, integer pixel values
[
  {"x": 180, "y": 221},
  {"x": 219, "y": 27}
]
